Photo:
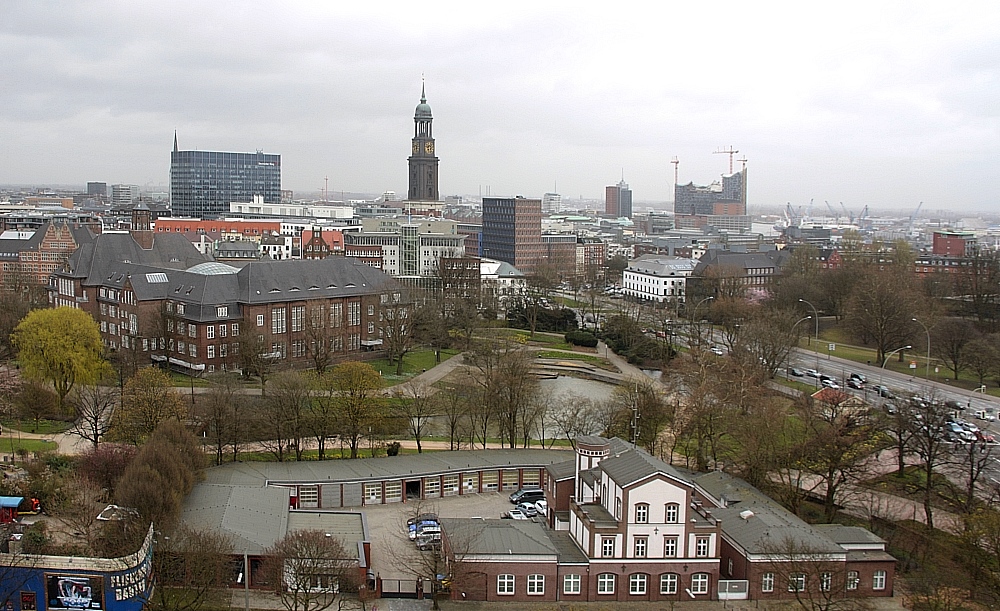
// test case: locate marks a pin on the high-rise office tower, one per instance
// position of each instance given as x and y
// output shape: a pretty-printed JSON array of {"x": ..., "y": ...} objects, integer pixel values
[
  {"x": 422, "y": 161},
  {"x": 122, "y": 196},
  {"x": 512, "y": 231},
  {"x": 203, "y": 183},
  {"x": 618, "y": 200},
  {"x": 551, "y": 203}
]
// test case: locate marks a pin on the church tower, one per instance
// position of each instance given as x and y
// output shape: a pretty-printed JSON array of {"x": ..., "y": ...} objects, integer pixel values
[{"x": 423, "y": 163}]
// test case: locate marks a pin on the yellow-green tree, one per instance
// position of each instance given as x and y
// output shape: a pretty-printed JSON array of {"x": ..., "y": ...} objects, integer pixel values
[
  {"x": 61, "y": 346},
  {"x": 148, "y": 400},
  {"x": 356, "y": 386}
]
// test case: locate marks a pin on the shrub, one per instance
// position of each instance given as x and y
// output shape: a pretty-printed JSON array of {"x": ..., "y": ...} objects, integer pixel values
[{"x": 581, "y": 338}]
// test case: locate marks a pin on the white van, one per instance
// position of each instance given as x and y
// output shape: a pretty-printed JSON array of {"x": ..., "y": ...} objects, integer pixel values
[{"x": 982, "y": 414}]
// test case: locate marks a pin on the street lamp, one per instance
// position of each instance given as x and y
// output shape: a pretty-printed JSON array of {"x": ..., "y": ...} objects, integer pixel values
[
  {"x": 886, "y": 360},
  {"x": 793, "y": 330},
  {"x": 927, "y": 366},
  {"x": 815, "y": 313},
  {"x": 694, "y": 316}
]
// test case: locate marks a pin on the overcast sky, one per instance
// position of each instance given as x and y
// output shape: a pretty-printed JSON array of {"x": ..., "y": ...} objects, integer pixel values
[{"x": 870, "y": 102}]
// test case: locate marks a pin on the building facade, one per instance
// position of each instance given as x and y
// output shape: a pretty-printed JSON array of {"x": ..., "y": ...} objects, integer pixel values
[
  {"x": 618, "y": 200},
  {"x": 512, "y": 231},
  {"x": 722, "y": 204},
  {"x": 423, "y": 162},
  {"x": 203, "y": 183},
  {"x": 658, "y": 278}
]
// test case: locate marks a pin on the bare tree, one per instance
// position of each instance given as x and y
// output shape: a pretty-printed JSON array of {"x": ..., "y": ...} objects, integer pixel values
[
  {"x": 811, "y": 573},
  {"x": 929, "y": 426},
  {"x": 414, "y": 403},
  {"x": 359, "y": 409},
  {"x": 574, "y": 416},
  {"x": 503, "y": 372},
  {"x": 93, "y": 406},
  {"x": 972, "y": 459},
  {"x": 189, "y": 566},
  {"x": 284, "y": 413},
  {"x": 395, "y": 327},
  {"x": 950, "y": 337},
  {"x": 311, "y": 570},
  {"x": 455, "y": 404},
  {"x": 255, "y": 357},
  {"x": 882, "y": 307},
  {"x": 220, "y": 416}
]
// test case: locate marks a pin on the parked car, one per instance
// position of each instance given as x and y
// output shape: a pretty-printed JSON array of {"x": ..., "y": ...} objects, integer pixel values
[
  {"x": 415, "y": 529},
  {"x": 717, "y": 351},
  {"x": 429, "y": 541},
  {"x": 527, "y": 494},
  {"x": 884, "y": 392},
  {"x": 527, "y": 508},
  {"x": 516, "y": 514},
  {"x": 798, "y": 373},
  {"x": 542, "y": 507}
]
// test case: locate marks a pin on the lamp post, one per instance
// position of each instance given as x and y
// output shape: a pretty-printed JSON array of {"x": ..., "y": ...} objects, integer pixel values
[
  {"x": 815, "y": 314},
  {"x": 927, "y": 365},
  {"x": 886, "y": 360},
  {"x": 793, "y": 329},
  {"x": 694, "y": 315}
]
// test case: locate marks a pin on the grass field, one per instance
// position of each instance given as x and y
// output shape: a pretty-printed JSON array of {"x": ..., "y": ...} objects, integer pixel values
[
  {"x": 12, "y": 445},
  {"x": 414, "y": 363},
  {"x": 571, "y": 356},
  {"x": 45, "y": 427}
]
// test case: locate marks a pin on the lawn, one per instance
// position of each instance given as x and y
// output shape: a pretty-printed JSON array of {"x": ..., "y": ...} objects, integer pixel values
[
  {"x": 45, "y": 427},
  {"x": 14, "y": 445},
  {"x": 572, "y": 356},
  {"x": 415, "y": 362}
]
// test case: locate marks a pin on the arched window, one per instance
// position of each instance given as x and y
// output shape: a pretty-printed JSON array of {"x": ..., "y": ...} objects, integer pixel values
[
  {"x": 637, "y": 583},
  {"x": 642, "y": 513},
  {"x": 672, "y": 513},
  {"x": 668, "y": 583}
]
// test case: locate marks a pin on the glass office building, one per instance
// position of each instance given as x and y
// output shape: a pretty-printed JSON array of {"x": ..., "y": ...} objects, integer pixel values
[{"x": 203, "y": 183}]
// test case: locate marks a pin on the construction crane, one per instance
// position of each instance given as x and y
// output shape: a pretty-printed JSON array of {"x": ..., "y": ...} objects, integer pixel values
[
  {"x": 833, "y": 213},
  {"x": 676, "y": 163},
  {"x": 731, "y": 151},
  {"x": 848, "y": 214},
  {"x": 915, "y": 213}
]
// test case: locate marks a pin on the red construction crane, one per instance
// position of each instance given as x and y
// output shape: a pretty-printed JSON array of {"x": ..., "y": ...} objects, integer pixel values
[{"x": 729, "y": 152}]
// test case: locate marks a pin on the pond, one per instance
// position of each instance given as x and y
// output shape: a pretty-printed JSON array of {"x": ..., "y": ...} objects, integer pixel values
[{"x": 568, "y": 385}]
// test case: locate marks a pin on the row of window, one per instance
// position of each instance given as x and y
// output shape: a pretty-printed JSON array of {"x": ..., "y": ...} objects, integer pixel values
[
  {"x": 638, "y": 584},
  {"x": 641, "y": 544},
  {"x": 797, "y": 581}
]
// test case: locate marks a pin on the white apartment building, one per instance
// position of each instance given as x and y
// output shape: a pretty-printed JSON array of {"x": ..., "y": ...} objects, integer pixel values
[{"x": 657, "y": 277}]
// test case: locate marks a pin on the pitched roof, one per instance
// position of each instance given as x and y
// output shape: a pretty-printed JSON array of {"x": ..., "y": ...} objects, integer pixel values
[
  {"x": 635, "y": 465},
  {"x": 763, "y": 528},
  {"x": 254, "y": 517},
  {"x": 477, "y": 537}
]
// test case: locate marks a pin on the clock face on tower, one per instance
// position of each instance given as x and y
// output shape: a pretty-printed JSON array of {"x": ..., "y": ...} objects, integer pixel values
[
  {"x": 429, "y": 148},
  {"x": 416, "y": 147}
]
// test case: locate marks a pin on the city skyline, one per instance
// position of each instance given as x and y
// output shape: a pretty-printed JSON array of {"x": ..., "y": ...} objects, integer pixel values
[{"x": 885, "y": 105}]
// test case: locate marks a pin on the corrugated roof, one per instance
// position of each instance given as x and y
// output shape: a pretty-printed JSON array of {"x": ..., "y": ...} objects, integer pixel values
[
  {"x": 761, "y": 528},
  {"x": 635, "y": 465},
  {"x": 562, "y": 470},
  {"x": 494, "y": 537},
  {"x": 254, "y": 518}
]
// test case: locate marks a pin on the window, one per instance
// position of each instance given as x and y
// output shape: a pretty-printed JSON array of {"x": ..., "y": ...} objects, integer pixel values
[
  {"x": 672, "y": 513},
  {"x": 797, "y": 582},
  {"x": 505, "y": 584},
  {"x": 606, "y": 583},
  {"x": 336, "y": 315},
  {"x": 608, "y": 547},
  {"x": 640, "y": 547},
  {"x": 637, "y": 583},
  {"x": 878, "y": 580},
  {"x": 180, "y": 308},
  {"x": 852, "y": 580},
  {"x": 210, "y": 352},
  {"x": 371, "y": 310},
  {"x": 210, "y": 331},
  {"x": 371, "y": 327},
  {"x": 642, "y": 513},
  {"x": 278, "y": 323},
  {"x": 701, "y": 547},
  {"x": 536, "y": 584},
  {"x": 260, "y": 320},
  {"x": 668, "y": 583},
  {"x": 222, "y": 330},
  {"x": 618, "y": 508},
  {"x": 670, "y": 547},
  {"x": 699, "y": 583},
  {"x": 354, "y": 314},
  {"x": 571, "y": 584},
  {"x": 825, "y": 581},
  {"x": 193, "y": 349},
  {"x": 222, "y": 350},
  {"x": 767, "y": 582},
  {"x": 181, "y": 347},
  {"x": 222, "y": 311},
  {"x": 298, "y": 318},
  {"x": 181, "y": 327},
  {"x": 192, "y": 330}
]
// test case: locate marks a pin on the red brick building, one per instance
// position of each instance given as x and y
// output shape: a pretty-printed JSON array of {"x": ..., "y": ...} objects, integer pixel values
[
  {"x": 32, "y": 255},
  {"x": 953, "y": 243}
]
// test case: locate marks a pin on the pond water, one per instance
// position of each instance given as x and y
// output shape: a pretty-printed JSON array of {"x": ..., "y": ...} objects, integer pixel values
[{"x": 567, "y": 385}]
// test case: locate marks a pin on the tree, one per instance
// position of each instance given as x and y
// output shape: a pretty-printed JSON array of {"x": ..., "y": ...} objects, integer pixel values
[
  {"x": 360, "y": 410},
  {"x": 881, "y": 309},
  {"x": 13, "y": 308},
  {"x": 971, "y": 459},
  {"x": 639, "y": 412},
  {"x": 34, "y": 401},
  {"x": 310, "y": 569},
  {"x": 284, "y": 414},
  {"x": 768, "y": 337},
  {"x": 981, "y": 356},
  {"x": 929, "y": 425},
  {"x": 980, "y": 282},
  {"x": 322, "y": 336},
  {"x": 60, "y": 345},
  {"x": 803, "y": 568},
  {"x": 455, "y": 404},
  {"x": 395, "y": 328},
  {"x": 84, "y": 502},
  {"x": 414, "y": 403},
  {"x": 502, "y": 371},
  {"x": 949, "y": 338},
  {"x": 148, "y": 399},
  {"x": 93, "y": 406},
  {"x": 574, "y": 416},
  {"x": 222, "y": 416},
  {"x": 255, "y": 357},
  {"x": 189, "y": 565},
  {"x": 103, "y": 466},
  {"x": 981, "y": 539}
]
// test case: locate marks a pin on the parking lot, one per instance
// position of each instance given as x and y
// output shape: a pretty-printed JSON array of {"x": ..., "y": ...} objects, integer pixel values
[{"x": 393, "y": 554}]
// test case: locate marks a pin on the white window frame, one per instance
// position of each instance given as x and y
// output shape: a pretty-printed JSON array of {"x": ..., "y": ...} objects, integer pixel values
[
  {"x": 505, "y": 584},
  {"x": 825, "y": 581},
  {"x": 607, "y": 547},
  {"x": 767, "y": 582},
  {"x": 797, "y": 582},
  {"x": 853, "y": 579},
  {"x": 638, "y": 584},
  {"x": 536, "y": 584},
  {"x": 669, "y": 583},
  {"x": 642, "y": 513},
  {"x": 640, "y": 546},
  {"x": 699, "y": 583},
  {"x": 606, "y": 583},
  {"x": 210, "y": 332},
  {"x": 670, "y": 547},
  {"x": 672, "y": 513},
  {"x": 701, "y": 545},
  {"x": 571, "y": 584},
  {"x": 260, "y": 320},
  {"x": 879, "y": 579}
]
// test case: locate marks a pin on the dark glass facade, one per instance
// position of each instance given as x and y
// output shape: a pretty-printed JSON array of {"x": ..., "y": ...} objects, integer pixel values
[{"x": 203, "y": 183}]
